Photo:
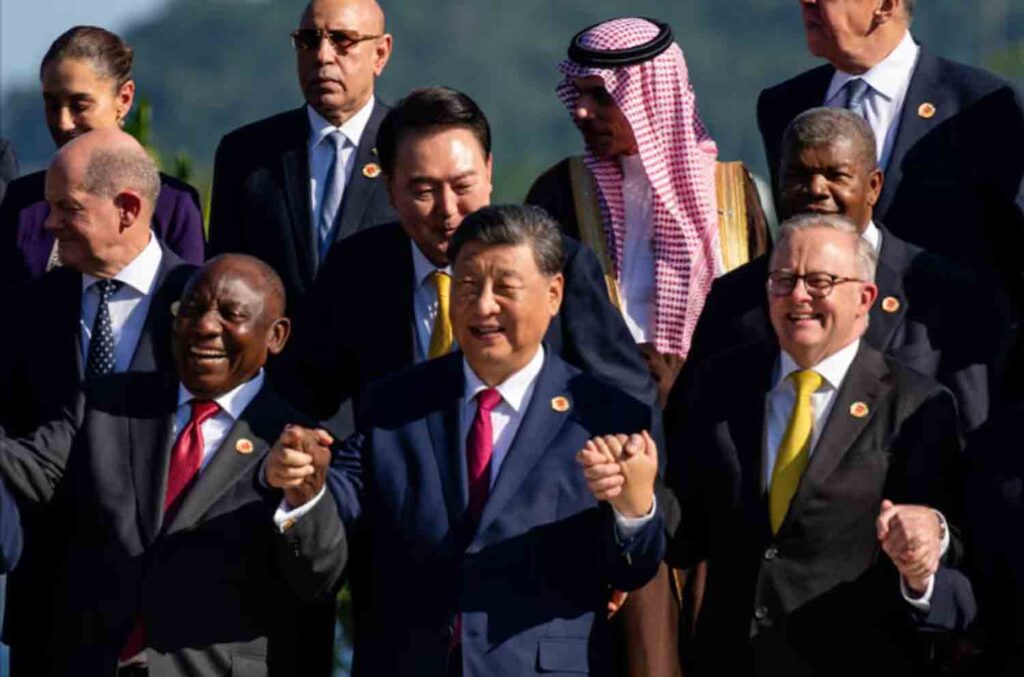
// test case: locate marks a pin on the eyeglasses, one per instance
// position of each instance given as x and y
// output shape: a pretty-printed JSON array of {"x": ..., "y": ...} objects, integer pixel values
[
  {"x": 342, "y": 41},
  {"x": 818, "y": 285}
]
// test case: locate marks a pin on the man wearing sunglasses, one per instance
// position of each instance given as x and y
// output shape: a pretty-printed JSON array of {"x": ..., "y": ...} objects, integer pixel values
[
  {"x": 287, "y": 187},
  {"x": 810, "y": 470},
  {"x": 931, "y": 315}
]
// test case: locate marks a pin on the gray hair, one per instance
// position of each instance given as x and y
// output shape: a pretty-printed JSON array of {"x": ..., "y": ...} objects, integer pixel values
[
  {"x": 513, "y": 225},
  {"x": 110, "y": 171},
  {"x": 820, "y": 127},
  {"x": 865, "y": 256}
]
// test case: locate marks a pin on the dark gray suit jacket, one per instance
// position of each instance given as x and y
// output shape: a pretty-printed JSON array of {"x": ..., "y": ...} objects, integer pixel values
[
  {"x": 261, "y": 203},
  {"x": 217, "y": 588}
]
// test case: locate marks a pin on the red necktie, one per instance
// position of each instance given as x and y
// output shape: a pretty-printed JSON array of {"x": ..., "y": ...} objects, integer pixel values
[
  {"x": 479, "y": 449},
  {"x": 186, "y": 457}
]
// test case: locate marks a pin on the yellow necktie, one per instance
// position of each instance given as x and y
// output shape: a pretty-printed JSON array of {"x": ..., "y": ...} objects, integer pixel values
[
  {"x": 794, "y": 451},
  {"x": 441, "y": 335}
]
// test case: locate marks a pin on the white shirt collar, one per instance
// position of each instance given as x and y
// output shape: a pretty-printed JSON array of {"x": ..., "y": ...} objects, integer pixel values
[
  {"x": 233, "y": 402},
  {"x": 513, "y": 390},
  {"x": 353, "y": 128},
  {"x": 832, "y": 369},
  {"x": 422, "y": 267},
  {"x": 140, "y": 273},
  {"x": 887, "y": 77},
  {"x": 873, "y": 236}
]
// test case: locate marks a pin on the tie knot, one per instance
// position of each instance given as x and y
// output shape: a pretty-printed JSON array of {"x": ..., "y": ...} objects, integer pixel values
[
  {"x": 203, "y": 410},
  {"x": 856, "y": 90},
  {"x": 806, "y": 381},
  {"x": 336, "y": 139},
  {"x": 107, "y": 288},
  {"x": 488, "y": 399},
  {"x": 442, "y": 282}
]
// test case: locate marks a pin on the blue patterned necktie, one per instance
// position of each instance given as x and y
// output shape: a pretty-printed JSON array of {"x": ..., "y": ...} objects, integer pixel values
[
  {"x": 100, "y": 360},
  {"x": 334, "y": 186},
  {"x": 856, "y": 91}
]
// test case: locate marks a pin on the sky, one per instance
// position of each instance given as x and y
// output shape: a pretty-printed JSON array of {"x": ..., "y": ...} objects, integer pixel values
[{"x": 27, "y": 27}]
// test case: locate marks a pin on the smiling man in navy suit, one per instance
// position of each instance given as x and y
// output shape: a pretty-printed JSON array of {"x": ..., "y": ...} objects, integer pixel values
[
  {"x": 479, "y": 546},
  {"x": 950, "y": 137}
]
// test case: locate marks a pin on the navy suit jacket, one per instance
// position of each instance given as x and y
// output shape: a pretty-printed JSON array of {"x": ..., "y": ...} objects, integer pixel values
[
  {"x": 940, "y": 321},
  {"x": 261, "y": 204},
  {"x": 819, "y": 593},
  {"x": 955, "y": 181},
  {"x": 10, "y": 531},
  {"x": 344, "y": 340},
  {"x": 25, "y": 245},
  {"x": 531, "y": 581}
]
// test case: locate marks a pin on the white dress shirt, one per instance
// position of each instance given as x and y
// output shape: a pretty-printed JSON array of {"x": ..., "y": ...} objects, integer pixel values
[
  {"x": 873, "y": 236},
  {"x": 780, "y": 402},
  {"x": 320, "y": 152},
  {"x": 636, "y": 279},
  {"x": 217, "y": 427},
  {"x": 424, "y": 301},
  {"x": 506, "y": 418},
  {"x": 128, "y": 306},
  {"x": 888, "y": 82}
]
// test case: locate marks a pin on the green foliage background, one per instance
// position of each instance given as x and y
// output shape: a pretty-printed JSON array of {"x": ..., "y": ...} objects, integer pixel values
[{"x": 208, "y": 66}]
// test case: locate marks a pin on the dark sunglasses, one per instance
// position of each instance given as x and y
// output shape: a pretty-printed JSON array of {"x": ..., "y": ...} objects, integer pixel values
[{"x": 342, "y": 41}]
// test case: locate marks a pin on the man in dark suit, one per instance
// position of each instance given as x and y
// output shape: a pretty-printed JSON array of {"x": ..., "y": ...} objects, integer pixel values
[
  {"x": 950, "y": 137},
  {"x": 287, "y": 187},
  {"x": 106, "y": 310},
  {"x": 435, "y": 150},
  {"x": 828, "y": 167},
  {"x": 172, "y": 565},
  {"x": 8, "y": 165},
  {"x": 799, "y": 462},
  {"x": 464, "y": 471}
]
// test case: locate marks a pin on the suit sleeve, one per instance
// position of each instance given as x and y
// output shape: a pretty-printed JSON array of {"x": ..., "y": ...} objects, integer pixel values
[
  {"x": 313, "y": 551},
  {"x": 595, "y": 337},
  {"x": 184, "y": 230},
  {"x": 34, "y": 465},
  {"x": 225, "y": 214},
  {"x": 10, "y": 531}
]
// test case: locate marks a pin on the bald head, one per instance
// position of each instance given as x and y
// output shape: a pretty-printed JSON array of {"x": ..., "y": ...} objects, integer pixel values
[
  {"x": 258, "y": 275},
  {"x": 101, "y": 187},
  {"x": 341, "y": 48}
]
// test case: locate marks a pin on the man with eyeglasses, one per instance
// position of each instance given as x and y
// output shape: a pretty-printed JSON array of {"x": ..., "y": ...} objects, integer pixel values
[
  {"x": 931, "y": 315},
  {"x": 287, "y": 187},
  {"x": 811, "y": 471}
]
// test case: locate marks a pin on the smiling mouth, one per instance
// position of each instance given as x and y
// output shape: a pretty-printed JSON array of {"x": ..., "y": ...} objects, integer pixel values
[
  {"x": 206, "y": 354},
  {"x": 804, "y": 317},
  {"x": 486, "y": 333}
]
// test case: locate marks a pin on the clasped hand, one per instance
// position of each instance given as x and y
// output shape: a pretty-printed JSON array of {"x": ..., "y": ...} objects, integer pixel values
[
  {"x": 298, "y": 463},
  {"x": 912, "y": 538},
  {"x": 620, "y": 469}
]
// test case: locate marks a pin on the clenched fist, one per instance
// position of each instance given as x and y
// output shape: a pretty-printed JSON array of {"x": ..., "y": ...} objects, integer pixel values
[
  {"x": 298, "y": 463},
  {"x": 621, "y": 470},
  {"x": 912, "y": 538}
]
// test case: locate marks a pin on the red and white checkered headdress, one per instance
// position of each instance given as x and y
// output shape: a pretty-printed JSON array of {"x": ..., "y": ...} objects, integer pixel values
[{"x": 678, "y": 156}]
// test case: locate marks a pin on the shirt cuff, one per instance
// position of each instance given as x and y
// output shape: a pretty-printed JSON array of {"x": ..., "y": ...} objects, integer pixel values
[
  {"x": 629, "y": 526},
  {"x": 922, "y": 603},
  {"x": 285, "y": 516}
]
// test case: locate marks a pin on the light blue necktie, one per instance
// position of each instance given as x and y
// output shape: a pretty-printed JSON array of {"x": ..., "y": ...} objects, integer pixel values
[
  {"x": 334, "y": 186},
  {"x": 856, "y": 91}
]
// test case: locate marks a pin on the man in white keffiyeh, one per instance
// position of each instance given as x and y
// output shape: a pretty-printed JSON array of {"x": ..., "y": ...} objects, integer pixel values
[{"x": 651, "y": 165}]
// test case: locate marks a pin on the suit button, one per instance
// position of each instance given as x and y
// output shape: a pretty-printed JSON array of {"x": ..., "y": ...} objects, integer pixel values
[
  {"x": 761, "y": 613},
  {"x": 771, "y": 553}
]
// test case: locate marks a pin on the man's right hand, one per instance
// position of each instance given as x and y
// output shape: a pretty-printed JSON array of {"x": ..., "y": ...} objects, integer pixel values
[
  {"x": 621, "y": 470},
  {"x": 298, "y": 463}
]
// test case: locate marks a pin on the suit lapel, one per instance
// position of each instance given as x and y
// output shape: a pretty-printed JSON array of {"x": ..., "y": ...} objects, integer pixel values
[
  {"x": 361, "y": 184},
  {"x": 443, "y": 425},
  {"x": 912, "y": 126},
  {"x": 890, "y": 309},
  {"x": 746, "y": 426},
  {"x": 539, "y": 426},
  {"x": 295, "y": 171},
  {"x": 260, "y": 424},
  {"x": 70, "y": 319},
  {"x": 863, "y": 385},
  {"x": 151, "y": 439}
]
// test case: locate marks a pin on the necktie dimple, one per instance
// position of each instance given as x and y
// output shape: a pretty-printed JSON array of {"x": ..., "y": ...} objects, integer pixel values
[
  {"x": 334, "y": 186},
  {"x": 794, "y": 451},
  {"x": 441, "y": 334},
  {"x": 186, "y": 458},
  {"x": 479, "y": 449},
  {"x": 856, "y": 91},
  {"x": 100, "y": 357}
]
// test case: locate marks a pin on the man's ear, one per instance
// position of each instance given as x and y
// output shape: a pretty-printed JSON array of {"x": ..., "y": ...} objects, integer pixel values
[
  {"x": 129, "y": 206},
  {"x": 279, "y": 333}
]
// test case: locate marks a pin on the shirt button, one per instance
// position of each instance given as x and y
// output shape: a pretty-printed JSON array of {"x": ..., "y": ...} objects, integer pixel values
[
  {"x": 761, "y": 613},
  {"x": 771, "y": 553}
]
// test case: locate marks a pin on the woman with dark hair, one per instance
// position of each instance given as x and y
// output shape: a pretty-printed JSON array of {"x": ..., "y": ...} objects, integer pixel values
[{"x": 87, "y": 83}]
